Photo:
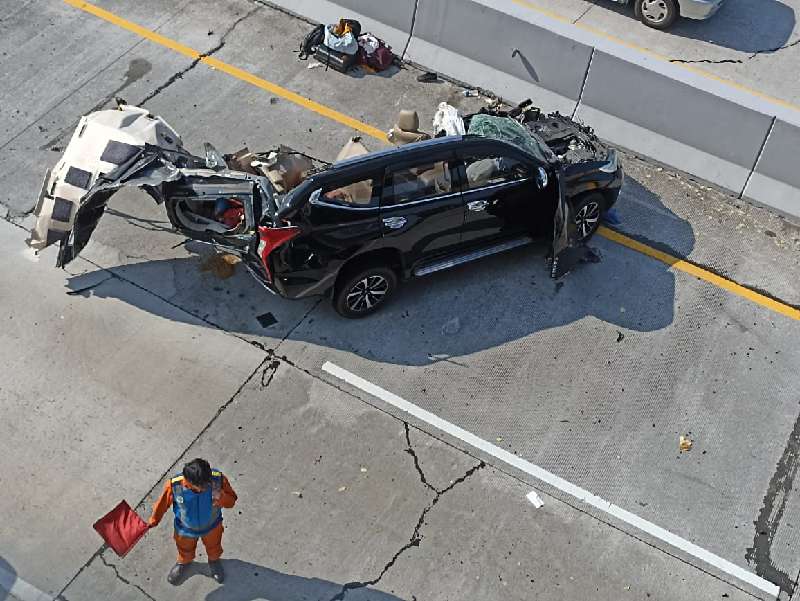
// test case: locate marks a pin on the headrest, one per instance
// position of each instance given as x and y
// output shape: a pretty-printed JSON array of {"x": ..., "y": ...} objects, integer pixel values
[{"x": 408, "y": 121}]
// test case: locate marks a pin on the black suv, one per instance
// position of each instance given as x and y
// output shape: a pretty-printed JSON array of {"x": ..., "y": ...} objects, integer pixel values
[{"x": 356, "y": 227}]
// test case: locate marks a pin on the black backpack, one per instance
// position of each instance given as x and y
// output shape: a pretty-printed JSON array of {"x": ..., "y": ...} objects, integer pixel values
[{"x": 313, "y": 39}]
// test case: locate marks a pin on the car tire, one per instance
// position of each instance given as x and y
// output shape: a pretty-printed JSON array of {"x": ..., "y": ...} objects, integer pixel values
[
  {"x": 364, "y": 290},
  {"x": 658, "y": 14},
  {"x": 587, "y": 213}
]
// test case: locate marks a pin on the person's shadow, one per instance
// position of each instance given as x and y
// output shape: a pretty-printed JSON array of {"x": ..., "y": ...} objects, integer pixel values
[
  {"x": 246, "y": 581},
  {"x": 8, "y": 576},
  {"x": 481, "y": 305}
]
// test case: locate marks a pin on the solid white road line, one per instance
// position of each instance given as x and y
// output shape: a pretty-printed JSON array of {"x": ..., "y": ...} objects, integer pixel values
[
  {"x": 541, "y": 474},
  {"x": 23, "y": 591}
]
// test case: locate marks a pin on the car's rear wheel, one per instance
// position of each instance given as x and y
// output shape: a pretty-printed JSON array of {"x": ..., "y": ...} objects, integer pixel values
[
  {"x": 364, "y": 291},
  {"x": 587, "y": 215},
  {"x": 658, "y": 14}
]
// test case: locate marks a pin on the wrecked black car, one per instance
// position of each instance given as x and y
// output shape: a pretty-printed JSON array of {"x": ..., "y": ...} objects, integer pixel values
[{"x": 354, "y": 228}]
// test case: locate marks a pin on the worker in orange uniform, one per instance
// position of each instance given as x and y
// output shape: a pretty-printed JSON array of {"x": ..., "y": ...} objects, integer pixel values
[{"x": 197, "y": 497}]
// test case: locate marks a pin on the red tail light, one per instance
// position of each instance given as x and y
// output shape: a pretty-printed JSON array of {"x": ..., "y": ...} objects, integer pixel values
[{"x": 270, "y": 239}]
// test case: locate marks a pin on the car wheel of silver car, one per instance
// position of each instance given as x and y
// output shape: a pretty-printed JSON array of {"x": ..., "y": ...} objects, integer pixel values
[
  {"x": 587, "y": 216},
  {"x": 364, "y": 291},
  {"x": 659, "y": 14}
]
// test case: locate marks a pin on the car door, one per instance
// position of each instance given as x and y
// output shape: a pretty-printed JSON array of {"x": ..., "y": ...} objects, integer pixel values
[
  {"x": 565, "y": 252},
  {"x": 214, "y": 208},
  {"x": 499, "y": 191},
  {"x": 422, "y": 210}
]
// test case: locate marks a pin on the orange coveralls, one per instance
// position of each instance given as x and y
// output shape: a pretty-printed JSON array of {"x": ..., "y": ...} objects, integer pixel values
[{"x": 188, "y": 545}]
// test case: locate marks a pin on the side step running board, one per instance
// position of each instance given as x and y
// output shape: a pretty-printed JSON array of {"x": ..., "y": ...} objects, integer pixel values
[{"x": 471, "y": 256}]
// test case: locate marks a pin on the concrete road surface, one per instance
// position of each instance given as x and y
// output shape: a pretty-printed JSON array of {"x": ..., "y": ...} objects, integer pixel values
[{"x": 139, "y": 357}]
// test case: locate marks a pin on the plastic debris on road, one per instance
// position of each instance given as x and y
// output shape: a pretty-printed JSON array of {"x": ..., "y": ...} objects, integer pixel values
[
  {"x": 684, "y": 443},
  {"x": 534, "y": 498}
]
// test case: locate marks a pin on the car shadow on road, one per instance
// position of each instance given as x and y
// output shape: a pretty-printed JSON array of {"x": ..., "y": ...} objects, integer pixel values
[
  {"x": 742, "y": 25},
  {"x": 478, "y": 306},
  {"x": 247, "y": 581}
]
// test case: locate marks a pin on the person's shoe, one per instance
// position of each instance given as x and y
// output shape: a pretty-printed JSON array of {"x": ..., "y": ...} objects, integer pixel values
[
  {"x": 217, "y": 573},
  {"x": 176, "y": 573}
]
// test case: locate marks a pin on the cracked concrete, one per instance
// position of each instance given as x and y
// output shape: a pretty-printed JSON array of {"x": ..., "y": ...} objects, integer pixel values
[
  {"x": 219, "y": 46},
  {"x": 123, "y": 579}
]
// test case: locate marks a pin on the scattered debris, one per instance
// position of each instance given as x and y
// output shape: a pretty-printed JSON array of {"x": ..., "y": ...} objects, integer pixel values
[
  {"x": 427, "y": 77},
  {"x": 298, "y": 494},
  {"x": 622, "y": 309},
  {"x": 210, "y": 32},
  {"x": 273, "y": 100},
  {"x": 266, "y": 320},
  {"x": 470, "y": 93},
  {"x": 222, "y": 266},
  {"x": 534, "y": 498},
  {"x": 342, "y": 488},
  {"x": 499, "y": 439},
  {"x": 363, "y": 470},
  {"x": 314, "y": 65},
  {"x": 620, "y": 336},
  {"x": 684, "y": 443}
]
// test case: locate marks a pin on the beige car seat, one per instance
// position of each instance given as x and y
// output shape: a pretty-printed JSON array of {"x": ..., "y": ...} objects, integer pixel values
[{"x": 406, "y": 130}]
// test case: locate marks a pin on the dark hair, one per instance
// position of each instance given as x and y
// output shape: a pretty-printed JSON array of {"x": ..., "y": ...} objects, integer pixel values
[{"x": 197, "y": 472}]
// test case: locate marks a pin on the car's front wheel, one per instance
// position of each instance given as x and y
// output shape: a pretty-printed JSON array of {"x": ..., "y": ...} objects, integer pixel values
[
  {"x": 658, "y": 14},
  {"x": 587, "y": 213},
  {"x": 364, "y": 291}
]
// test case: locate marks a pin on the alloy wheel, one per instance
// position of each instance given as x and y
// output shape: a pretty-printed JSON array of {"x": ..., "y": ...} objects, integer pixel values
[
  {"x": 586, "y": 219},
  {"x": 655, "y": 11},
  {"x": 366, "y": 293}
]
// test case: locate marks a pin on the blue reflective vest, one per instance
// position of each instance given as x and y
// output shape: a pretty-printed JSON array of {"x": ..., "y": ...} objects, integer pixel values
[{"x": 195, "y": 514}]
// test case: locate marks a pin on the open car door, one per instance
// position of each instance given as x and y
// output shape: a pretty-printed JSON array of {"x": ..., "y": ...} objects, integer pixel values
[{"x": 566, "y": 251}]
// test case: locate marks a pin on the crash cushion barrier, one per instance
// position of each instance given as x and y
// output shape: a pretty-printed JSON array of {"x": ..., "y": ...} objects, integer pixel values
[
  {"x": 389, "y": 20},
  {"x": 718, "y": 132},
  {"x": 776, "y": 180},
  {"x": 508, "y": 53}
]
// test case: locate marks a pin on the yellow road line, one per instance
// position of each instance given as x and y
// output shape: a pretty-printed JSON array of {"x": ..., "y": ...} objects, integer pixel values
[
  {"x": 240, "y": 74},
  {"x": 703, "y": 274},
  {"x": 620, "y": 41},
  {"x": 325, "y": 111}
]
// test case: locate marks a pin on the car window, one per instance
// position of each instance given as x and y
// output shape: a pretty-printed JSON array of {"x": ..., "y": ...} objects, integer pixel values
[
  {"x": 488, "y": 170},
  {"x": 418, "y": 182},
  {"x": 359, "y": 193}
]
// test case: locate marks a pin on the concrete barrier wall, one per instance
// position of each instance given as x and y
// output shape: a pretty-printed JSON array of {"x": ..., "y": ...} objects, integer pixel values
[
  {"x": 776, "y": 180},
  {"x": 506, "y": 53},
  {"x": 672, "y": 121}
]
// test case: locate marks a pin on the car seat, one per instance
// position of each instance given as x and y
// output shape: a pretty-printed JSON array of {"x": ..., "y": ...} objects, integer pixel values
[{"x": 406, "y": 130}]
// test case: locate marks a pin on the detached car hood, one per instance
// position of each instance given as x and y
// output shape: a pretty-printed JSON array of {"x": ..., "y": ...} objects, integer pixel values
[{"x": 108, "y": 150}]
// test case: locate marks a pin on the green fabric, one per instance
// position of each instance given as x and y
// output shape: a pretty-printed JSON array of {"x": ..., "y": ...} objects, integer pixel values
[{"x": 509, "y": 130}]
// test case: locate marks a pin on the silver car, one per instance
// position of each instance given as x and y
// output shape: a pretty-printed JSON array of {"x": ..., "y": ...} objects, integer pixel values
[{"x": 661, "y": 14}]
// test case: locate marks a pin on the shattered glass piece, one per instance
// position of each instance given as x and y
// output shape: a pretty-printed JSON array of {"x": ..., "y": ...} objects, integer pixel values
[{"x": 266, "y": 320}]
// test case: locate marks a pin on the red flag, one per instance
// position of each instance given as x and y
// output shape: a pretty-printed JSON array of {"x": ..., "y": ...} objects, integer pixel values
[{"x": 121, "y": 528}]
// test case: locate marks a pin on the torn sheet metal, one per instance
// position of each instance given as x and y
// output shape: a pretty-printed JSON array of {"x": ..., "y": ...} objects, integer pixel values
[{"x": 103, "y": 141}]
